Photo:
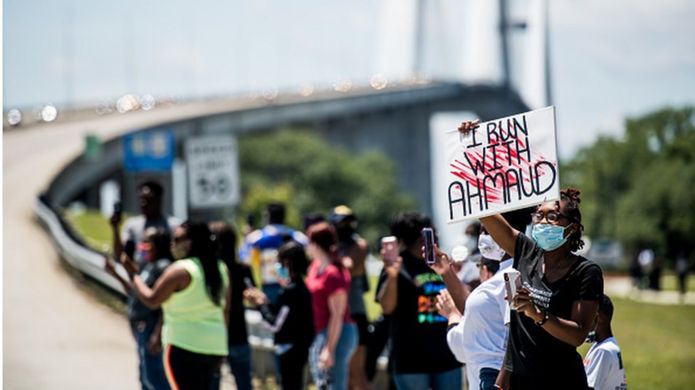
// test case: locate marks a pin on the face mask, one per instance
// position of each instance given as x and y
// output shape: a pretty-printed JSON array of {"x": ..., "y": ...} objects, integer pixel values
[
  {"x": 282, "y": 271},
  {"x": 180, "y": 250},
  {"x": 344, "y": 233},
  {"x": 144, "y": 251},
  {"x": 489, "y": 248},
  {"x": 549, "y": 237},
  {"x": 591, "y": 337},
  {"x": 471, "y": 243}
]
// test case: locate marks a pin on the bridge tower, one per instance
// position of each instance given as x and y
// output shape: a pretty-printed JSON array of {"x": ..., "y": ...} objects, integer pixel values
[{"x": 503, "y": 42}]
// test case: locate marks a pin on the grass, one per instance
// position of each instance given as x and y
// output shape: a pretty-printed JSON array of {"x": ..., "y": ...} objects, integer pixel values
[
  {"x": 657, "y": 342},
  {"x": 669, "y": 282},
  {"x": 93, "y": 227}
]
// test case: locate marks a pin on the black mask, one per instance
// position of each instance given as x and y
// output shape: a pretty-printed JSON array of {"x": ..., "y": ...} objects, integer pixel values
[
  {"x": 591, "y": 337},
  {"x": 344, "y": 233}
]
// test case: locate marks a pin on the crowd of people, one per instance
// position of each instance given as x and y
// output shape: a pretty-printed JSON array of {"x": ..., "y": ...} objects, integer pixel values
[{"x": 446, "y": 323}]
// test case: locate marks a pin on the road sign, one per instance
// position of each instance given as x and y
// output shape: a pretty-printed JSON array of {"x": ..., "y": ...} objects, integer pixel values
[
  {"x": 213, "y": 171},
  {"x": 151, "y": 150}
]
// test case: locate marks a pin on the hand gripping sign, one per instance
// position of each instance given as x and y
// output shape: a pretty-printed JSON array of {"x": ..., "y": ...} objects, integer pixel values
[{"x": 503, "y": 165}]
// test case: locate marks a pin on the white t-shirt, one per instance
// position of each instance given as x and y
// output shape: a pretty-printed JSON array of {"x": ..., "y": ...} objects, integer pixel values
[
  {"x": 480, "y": 339},
  {"x": 604, "y": 366}
]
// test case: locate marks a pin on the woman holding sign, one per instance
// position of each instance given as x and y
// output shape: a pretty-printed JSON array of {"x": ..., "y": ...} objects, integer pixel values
[{"x": 556, "y": 305}]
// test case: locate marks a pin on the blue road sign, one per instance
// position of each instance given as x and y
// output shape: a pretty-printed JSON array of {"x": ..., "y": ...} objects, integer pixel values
[{"x": 150, "y": 150}]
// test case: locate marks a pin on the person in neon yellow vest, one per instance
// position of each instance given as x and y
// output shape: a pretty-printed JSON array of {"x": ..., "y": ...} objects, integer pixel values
[{"x": 193, "y": 294}]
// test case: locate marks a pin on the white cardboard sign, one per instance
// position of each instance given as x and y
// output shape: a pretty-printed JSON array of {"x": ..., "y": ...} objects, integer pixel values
[{"x": 503, "y": 165}]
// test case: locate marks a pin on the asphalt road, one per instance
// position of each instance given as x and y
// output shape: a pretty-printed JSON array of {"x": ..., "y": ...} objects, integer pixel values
[{"x": 56, "y": 335}]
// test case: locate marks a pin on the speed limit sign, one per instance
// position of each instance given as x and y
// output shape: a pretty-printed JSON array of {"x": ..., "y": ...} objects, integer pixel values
[{"x": 213, "y": 171}]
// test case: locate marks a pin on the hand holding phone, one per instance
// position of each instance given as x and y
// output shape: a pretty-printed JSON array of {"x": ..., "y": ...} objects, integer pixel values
[
  {"x": 512, "y": 282},
  {"x": 389, "y": 248},
  {"x": 428, "y": 237},
  {"x": 117, "y": 213}
]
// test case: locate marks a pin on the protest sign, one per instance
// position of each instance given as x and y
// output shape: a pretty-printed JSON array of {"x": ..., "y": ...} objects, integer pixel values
[{"x": 503, "y": 165}]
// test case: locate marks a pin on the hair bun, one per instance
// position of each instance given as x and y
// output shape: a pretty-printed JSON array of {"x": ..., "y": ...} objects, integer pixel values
[{"x": 572, "y": 194}]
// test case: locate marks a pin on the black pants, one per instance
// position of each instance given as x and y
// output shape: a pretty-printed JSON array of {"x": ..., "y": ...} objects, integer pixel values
[
  {"x": 189, "y": 370},
  {"x": 517, "y": 382},
  {"x": 291, "y": 365},
  {"x": 488, "y": 377}
]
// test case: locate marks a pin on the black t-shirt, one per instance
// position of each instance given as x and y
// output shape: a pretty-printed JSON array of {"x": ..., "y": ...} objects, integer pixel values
[
  {"x": 536, "y": 355},
  {"x": 298, "y": 327},
  {"x": 237, "y": 333},
  {"x": 149, "y": 273},
  {"x": 418, "y": 332}
]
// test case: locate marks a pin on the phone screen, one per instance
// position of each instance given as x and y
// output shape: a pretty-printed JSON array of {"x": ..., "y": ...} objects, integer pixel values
[
  {"x": 428, "y": 237},
  {"x": 390, "y": 246},
  {"x": 512, "y": 281},
  {"x": 117, "y": 208}
]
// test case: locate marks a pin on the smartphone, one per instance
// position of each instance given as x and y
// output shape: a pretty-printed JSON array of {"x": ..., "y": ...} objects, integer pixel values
[
  {"x": 390, "y": 246},
  {"x": 512, "y": 282},
  {"x": 248, "y": 283},
  {"x": 428, "y": 237},
  {"x": 117, "y": 208}
]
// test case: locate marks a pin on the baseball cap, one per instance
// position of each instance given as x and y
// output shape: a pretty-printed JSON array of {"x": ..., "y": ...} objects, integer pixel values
[{"x": 341, "y": 213}]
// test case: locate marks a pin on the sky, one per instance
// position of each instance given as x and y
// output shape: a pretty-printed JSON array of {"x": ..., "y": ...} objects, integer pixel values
[{"x": 608, "y": 59}]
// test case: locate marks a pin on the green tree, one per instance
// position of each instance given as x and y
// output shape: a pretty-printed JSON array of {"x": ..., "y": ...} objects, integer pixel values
[
  {"x": 310, "y": 175},
  {"x": 638, "y": 189}
]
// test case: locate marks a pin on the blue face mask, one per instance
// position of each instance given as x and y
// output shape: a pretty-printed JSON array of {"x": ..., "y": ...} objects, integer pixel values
[
  {"x": 549, "y": 237},
  {"x": 283, "y": 272}
]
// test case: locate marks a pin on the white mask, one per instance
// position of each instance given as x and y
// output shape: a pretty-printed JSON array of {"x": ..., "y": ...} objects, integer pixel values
[{"x": 489, "y": 249}]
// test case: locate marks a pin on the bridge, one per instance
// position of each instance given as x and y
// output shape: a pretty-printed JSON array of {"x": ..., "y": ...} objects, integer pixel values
[{"x": 394, "y": 121}]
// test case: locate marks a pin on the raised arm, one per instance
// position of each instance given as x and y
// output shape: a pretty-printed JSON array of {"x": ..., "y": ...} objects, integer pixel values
[
  {"x": 116, "y": 243},
  {"x": 457, "y": 290},
  {"x": 109, "y": 267},
  {"x": 175, "y": 278},
  {"x": 388, "y": 293}
]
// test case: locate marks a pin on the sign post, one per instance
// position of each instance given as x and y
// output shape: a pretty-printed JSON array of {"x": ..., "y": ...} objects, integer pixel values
[
  {"x": 503, "y": 165},
  {"x": 213, "y": 171}
]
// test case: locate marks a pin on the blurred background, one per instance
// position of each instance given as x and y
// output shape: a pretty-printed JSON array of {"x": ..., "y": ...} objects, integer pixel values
[{"x": 325, "y": 103}]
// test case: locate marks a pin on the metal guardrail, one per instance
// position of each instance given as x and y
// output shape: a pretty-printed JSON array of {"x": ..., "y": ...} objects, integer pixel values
[{"x": 73, "y": 250}]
